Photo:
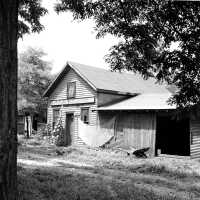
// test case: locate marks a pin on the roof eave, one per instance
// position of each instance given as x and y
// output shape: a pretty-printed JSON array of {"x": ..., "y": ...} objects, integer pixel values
[
  {"x": 54, "y": 82},
  {"x": 118, "y": 92},
  {"x": 135, "y": 109}
]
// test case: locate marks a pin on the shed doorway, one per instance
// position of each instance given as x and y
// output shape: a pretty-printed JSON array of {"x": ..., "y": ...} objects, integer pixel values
[
  {"x": 173, "y": 136},
  {"x": 69, "y": 129}
]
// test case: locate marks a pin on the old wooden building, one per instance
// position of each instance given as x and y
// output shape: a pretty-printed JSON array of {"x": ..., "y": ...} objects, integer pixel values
[{"x": 143, "y": 118}]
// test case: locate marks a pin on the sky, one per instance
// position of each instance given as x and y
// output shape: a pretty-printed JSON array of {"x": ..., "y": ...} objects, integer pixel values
[{"x": 64, "y": 39}]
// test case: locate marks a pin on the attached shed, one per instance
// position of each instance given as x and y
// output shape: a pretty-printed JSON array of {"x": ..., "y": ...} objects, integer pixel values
[{"x": 147, "y": 120}]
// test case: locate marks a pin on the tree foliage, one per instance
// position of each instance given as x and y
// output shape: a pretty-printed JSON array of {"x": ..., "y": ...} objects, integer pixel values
[
  {"x": 33, "y": 79},
  {"x": 30, "y": 12},
  {"x": 34, "y": 73},
  {"x": 147, "y": 31}
]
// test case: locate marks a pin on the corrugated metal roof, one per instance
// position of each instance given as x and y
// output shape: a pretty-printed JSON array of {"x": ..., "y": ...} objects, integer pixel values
[
  {"x": 115, "y": 81},
  {"x": 101, "y": 79},
  {"x": 150, "y": 101}
]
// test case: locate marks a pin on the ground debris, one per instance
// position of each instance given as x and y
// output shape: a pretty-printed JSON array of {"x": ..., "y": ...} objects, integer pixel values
[
  {"x": 139, "y": 153},
  {"x": 59, "y": 152}
]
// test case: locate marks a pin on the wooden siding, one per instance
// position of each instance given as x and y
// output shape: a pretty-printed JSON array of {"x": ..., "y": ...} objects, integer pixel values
[
  {"x": 83, "y": 93},
  {"x": 76, "y": 110},
  {"x": 104, "y": 98},
  {"x": 72, "y": 101},
  {"x": 195, "y": 138},
  {"x": 133, "y": 129},
  {"x": 49, "y": 115},
  {"x": 77, "y": 114},
  {"x": 83, "y": 90}
]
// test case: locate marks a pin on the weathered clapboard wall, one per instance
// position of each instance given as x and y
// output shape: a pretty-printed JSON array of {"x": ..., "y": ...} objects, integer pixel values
[
  {"x": 132, "y": 129},
  {"x": 83, "y": 90},
  {"x": 85, "y": 97},
  {"x": 195, "y": 137}
]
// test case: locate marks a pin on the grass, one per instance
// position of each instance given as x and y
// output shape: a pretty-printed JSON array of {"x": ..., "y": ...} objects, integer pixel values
[
  {"x": 83, "y": 173},
  {"x": 49, "y": 184},
  {"x": 162, "y": 170}
]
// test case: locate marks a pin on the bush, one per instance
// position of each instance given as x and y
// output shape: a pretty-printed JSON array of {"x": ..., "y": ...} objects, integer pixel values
[{"x": 55, "y": 136}]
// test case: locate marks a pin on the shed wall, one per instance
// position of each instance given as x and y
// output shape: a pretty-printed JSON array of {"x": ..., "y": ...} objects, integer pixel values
[
  {"x": 195, "y": 138},
  {"x": 136, "y": 130}
]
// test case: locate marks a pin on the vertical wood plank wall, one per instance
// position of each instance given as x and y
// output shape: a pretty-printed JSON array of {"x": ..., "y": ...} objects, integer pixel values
[
  {"x": 136, "y": 130},
  {"x": 195, "y": 138}
]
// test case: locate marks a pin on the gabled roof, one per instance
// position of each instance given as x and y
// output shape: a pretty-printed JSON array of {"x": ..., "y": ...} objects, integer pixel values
[
  {"x": 105, "y": 80},
  {"x": 150, "y": 101}
]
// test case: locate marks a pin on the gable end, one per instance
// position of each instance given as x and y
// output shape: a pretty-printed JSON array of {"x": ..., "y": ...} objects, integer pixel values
[{"x": 61, "y": 76}]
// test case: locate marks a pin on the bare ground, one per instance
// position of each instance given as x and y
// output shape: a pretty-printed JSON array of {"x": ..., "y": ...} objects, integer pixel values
[{"x": 87, "y": 174}]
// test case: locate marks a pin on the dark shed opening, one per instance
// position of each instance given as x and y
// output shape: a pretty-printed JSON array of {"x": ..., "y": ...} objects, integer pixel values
[{"x": 173, "y": 136}]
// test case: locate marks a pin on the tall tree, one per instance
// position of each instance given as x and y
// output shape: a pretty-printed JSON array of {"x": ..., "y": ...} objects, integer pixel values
[
  {"x": 33, "y": 79},
  {"x": 147, "y": 31},
  {"x": 29, "y": 12}
]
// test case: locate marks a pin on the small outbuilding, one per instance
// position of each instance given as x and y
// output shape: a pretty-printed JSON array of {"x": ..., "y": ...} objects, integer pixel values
[
  {"x": 132, "y": 110},
  {"x": 27, "y": 122}
]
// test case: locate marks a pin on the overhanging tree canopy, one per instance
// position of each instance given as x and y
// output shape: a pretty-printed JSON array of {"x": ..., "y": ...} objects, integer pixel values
[
  {"x": 147, "y": 30},
  {"x": 30, "y": 12}
]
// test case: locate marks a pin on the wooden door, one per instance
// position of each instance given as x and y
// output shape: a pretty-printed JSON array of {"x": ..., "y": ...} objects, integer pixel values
[{"x": 69, "y": 128}]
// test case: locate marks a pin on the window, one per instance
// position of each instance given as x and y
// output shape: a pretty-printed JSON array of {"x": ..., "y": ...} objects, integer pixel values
[
  {"x": 71, "y": 90},
  {"x": 85, "y": 115},
  {"x": 56, "y": 114}
]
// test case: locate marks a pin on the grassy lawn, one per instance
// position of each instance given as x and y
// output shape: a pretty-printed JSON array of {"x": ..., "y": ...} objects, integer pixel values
[{"x": 87, "y": 174}]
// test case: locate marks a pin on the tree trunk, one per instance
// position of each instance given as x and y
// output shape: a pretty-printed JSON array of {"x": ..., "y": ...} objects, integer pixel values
[{"x": 8, "y": 99}]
